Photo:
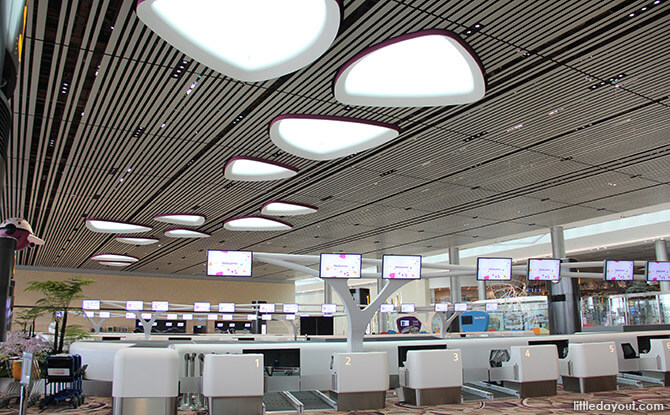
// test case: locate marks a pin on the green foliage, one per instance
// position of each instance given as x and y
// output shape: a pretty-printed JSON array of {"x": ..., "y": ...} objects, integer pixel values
[{"x": 641, "y": 287}]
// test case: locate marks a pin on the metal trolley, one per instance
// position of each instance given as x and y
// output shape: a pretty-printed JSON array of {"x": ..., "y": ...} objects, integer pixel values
[{"x": 64, "y": 378}]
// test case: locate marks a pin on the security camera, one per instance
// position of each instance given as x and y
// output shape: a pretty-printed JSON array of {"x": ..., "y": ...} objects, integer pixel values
[{"x": 20, "y": 230}]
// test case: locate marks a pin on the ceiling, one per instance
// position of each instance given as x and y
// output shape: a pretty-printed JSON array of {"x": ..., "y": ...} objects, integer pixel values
[{"x": 541, "y": 148}]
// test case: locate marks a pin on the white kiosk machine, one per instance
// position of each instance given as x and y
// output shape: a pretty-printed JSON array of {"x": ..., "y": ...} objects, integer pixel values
[{"x": 360, "y": 380}]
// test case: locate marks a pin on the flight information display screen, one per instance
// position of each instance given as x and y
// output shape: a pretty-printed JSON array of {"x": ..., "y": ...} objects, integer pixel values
[
  {"x": 134, "y": 305},
  {"x": 387, "y": 308},
  {"x": 407, "y": 308},
  {"x": 229, "y": 263},
  {"x": 340, "y": 266},
  {"x": 441, "y": 307},
  {"x": 544, "y": 269},
  {"x": 494, "y": 269},
  {"x": 90, "y": 304},
  {"x": 402, "y": 267},
  {"x": 658, "y": 271},
  {"x": 619, "y": 270}
]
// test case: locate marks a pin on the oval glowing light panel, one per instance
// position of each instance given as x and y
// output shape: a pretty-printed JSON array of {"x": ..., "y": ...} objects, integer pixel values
[
  {"x": 136, "y": 240},
  {"x": 187, "y": 219},
  {"x": 282, "y": 208},
  {"x": 114, "y": 263},
  {"x": 255, "y": 223},
  {"x": 325, "y": 138},
  {"x": 250, "y": 40},
  {"x": 185, "y": 233},
  {"x": 422, "y": 69},
  {"x": 114, "y": 257},
  {"x": 110, "y": 226},
  {"x": 253, "y": 169}
]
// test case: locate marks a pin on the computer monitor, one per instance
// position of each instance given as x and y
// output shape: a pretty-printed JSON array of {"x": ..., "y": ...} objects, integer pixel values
[
  {"x": 618, "y": 270},
  {"x": 540, "y": 269},
  {"x": 491, "y": 306},
  {"x": 172, "y": 316},
  {"x": 90, "y": 304},
  {"x": 401, "y": 267},
  {"x": 187, "y": 316},
  {"x": 227, "y": 317},
  {"x": 89, "y": 314},
  {"x": 340, "y": 266},
  {"x": 202, "y": 307},
  {"x": 461, "y": 307},
  {"x": 266, "y": 308},
  {"x": 104, "y": 314},
  {"x": 160, "y": 305},
  {"x": 134, "y": 305},
  {"x": 229, "y": 263},
  {"x": 441, "y": 307},
  {"x": 226, "y": 307},
  {"x": 328, "y": 308},
  {"x": 130, "y": 316},
  {"x": 146, "y": 316},
  {"x": 290, "y": 308},
  {"x": 387, "y": 308},
  {"x": 407, "y": 308},
  {"x": 290, "y": 317},
  {"x": 266, "y": 317},
  {"x": 494, "y": 269},
  {"x": 252, "y": 317},
  {"x": 658, "y": 271},
  {"x": 212, "y": 317}
]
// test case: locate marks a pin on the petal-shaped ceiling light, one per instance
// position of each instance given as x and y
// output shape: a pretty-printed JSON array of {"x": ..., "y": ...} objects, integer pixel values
[
  {"x": 187, "y": 219},
  {"x": 185, "y": 233},
  {"x": 110, "y": 226},
  {"x": 283, "y": 208},
  {"x": 255, "y": 223},
  {"x": 253, "y": 169},
  {"x": 422, "y": 69},
  {"x": 136, "y": 240},
  {"x": 114, "y": 257},
  {"x": 114, "y": 263},
  {"x": 317, "y": 137},
  {"x": 251, "y": 40}
]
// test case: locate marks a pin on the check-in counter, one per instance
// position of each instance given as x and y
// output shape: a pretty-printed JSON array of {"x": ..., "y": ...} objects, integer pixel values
[
  {"x": 432, "y": 377},
  {"x": 233, "y": 383},
  {"x": 532, "y": 370},
  {"x": 590, "y": 367},
  {"x": 145, "y": 381},
  {"x": 656, "y": 363},
  {"x": 359, "y": 380}
]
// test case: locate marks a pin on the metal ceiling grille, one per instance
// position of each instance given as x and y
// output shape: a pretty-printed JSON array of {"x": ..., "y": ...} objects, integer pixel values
[{"x": 103, "y": 129}]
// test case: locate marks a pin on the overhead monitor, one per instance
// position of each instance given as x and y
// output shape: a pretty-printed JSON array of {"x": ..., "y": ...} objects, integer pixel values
[
  {"x": 328, "y": 308},
  {"x": 407, "y": 308},
  {"x": 494, "y": 269},
  {"x": 544, "y": 269},
  {"x": 231, "y": 324},
  {"x": 266, "y": 317},
  {"x": 168, "y": 324},
  {"x": 146, "y": 316},
  {"x": 491, "y": 306},
  {"x": 441, "y": 307},
  {"x": 180, "y": 324},
  {"x": 340, "y": 266},
  {"x": 227, "y": 317},
  {"x": 202, "y": 307},
  {"x": 290, "y": 308},
  {"x": 290, "y": 317},
  {"x": 658, "y": 271},
  {"x": 266, "y": 308},
  {"x": 229, "y": 263},
  {"x": 160, "y": 305},
  {"x": 212, "y": 317},
  {"x": 618, "y": 270},
  {"x": 460, "y": 307},
  {"x": 134, "y": 305},
  {"x": 252, "y": 317},
  {"x": 105, "y": 314},
  {"x": 172, "y": 317},
  {"x": 187, "y": 316},
  {"x": 247, "y": 325},
  {"x": 401, "y": 267},
  {"x": 90, "y": 304},
  {"x": 89, "y": 314},
  {"x": 131, "y": 316},
  {"x": 226, "y": 307},
  {"x": 387, "y": 308}
]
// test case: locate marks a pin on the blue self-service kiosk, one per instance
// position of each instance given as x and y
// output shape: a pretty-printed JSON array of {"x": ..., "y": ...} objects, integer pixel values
[{"x": 474, "y": 321}]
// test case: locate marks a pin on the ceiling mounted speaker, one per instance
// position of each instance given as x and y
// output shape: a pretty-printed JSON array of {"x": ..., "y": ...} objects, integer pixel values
[
  {"x": 253, "y": 169},
  {"x": 422, "y": 69},
  {"x": 250, "y": 40},
  {"x": 317, "y": 137},
  {"x": 255, "y": 223}
]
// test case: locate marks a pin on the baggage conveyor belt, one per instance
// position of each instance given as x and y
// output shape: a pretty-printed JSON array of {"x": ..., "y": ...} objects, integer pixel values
[{"x": 295, "y": 402}]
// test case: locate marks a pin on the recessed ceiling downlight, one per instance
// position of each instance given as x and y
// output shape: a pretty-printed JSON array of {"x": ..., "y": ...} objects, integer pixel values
[
  {"x": 187, "y": 219},
  {"x": 136, "y": 240},
  {"x": 114, "y": 257},
  {"x": 317, "y": 137},
  {"x": 250, "y": 40},
  {"x": 255, "y": 223},
  {"x": 283, "y": 208},
  {"x": 185, "y": 233},
  {"x": 422, "y": 69},
  {"x": 253, "y": 169},
  {"x": 114, "y": 263},
  {"x": 110, "y": 226}
]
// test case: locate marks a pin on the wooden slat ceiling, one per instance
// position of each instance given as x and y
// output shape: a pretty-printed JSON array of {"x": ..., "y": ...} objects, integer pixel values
[{"x": 575, "y": 153}]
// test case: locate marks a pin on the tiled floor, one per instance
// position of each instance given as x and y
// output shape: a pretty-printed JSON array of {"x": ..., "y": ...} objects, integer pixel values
[{"x": 560, "y": 404}]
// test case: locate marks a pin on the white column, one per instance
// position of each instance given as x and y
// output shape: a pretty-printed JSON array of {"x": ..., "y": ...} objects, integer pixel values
[
  {"x": 455, "y": 282},
  {"x": 662, "y": 255}
]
